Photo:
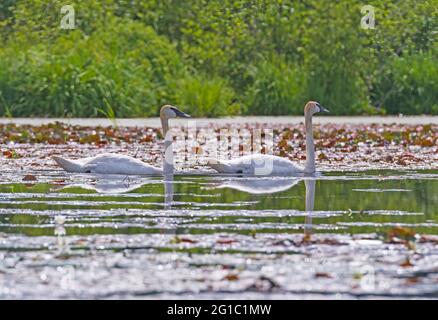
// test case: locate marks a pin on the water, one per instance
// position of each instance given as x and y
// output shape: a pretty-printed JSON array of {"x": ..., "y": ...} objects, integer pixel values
[{"x": 344, "y": 235}]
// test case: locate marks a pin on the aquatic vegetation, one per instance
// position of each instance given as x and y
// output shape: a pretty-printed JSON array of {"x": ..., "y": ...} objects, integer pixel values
[{"x": 338, "y": 145}]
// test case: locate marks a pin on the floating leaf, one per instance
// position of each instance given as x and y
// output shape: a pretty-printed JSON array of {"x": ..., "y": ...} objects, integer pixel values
[
  {"x": 231, "y": 277},
  {"x": 226, "y": 241},
  {"x": 406, "y": 263},
  {"x": 323, "y": 275},
  {"x": 29, "y": 177}
]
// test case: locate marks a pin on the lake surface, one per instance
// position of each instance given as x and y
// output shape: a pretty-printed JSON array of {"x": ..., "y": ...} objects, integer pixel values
[{"x": 341, "y": 235}]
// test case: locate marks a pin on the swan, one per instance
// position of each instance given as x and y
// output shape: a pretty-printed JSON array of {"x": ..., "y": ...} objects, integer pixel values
[
  {"x": 263, "y": 164},
  {"x": 109, "y": 163}
]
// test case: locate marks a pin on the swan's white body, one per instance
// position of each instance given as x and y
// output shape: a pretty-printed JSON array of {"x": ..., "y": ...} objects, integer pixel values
[
  {"x": 257, "y": 164},
  {"x": 109, "y": 163},
  {"x": 270, "y": 165}
]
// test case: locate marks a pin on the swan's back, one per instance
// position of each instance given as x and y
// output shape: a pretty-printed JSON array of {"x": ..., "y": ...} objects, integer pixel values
[
  {"x": 257, "y": 164},
  {"x": 117, "y": 164}
]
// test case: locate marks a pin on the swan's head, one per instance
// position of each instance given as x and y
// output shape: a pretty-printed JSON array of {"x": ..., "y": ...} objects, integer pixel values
[
  {"x": 169, "y": 112},
  {"x": 313, "y": 107}
]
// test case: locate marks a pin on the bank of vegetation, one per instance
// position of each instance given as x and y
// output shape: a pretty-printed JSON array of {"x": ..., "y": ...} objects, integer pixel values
[{"x": 213, "y": 58}]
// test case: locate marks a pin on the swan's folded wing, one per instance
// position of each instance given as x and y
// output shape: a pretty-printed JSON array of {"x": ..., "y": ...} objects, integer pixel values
[
  {"x": 250, "y": 164},
  {"x": 257, "y": 164},
  {"x": 262, "y": 164},
  {"x": 119, "y": 164},
  {"x": 222, "y": 166}
]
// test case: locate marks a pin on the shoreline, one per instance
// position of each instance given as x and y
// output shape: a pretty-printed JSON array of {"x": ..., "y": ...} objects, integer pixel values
[{"x": 274, "y": 120}]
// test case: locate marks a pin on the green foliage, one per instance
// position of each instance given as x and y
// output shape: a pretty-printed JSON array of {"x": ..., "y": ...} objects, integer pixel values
[
  {"x": 217, "y": 57},
  {"x": 109, "y": 113},
  {"x": 204, "y": 96},
  {"x": 277, "y": 88},
  {"x": 125, "y": 63},
  {"x": 412, "y": 86}
]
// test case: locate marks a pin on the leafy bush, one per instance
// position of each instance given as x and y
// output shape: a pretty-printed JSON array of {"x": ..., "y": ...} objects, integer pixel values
[
  {"x": 217, "y": 57},
  {"x": 277, "y": 88},
  {"x": 203, "y": 96},
  {"x": 411, "y": 88},
  {"x": 125, "y": 63}
]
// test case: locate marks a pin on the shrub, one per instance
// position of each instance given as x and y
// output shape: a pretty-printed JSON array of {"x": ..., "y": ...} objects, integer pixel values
[
  {"x": 218, "y": 57},
  {"x": 200, "y": 95},
  {"x": 125, "y": 63},
  {"x": 411, "y": 86},
  {"x": 277, "y": 88}
]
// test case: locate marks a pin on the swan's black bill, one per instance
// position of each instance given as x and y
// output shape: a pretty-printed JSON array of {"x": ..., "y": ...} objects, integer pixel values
[
  {"x": 322, "y": 109},
  {"x": 180, "y": 113}
]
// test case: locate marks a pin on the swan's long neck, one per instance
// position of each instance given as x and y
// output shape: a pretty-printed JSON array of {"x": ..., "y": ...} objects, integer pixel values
[
  {"x": 168, "y": 150},
  {"x": 164, "y": 125},
  {"x": 310, "y": 146}
]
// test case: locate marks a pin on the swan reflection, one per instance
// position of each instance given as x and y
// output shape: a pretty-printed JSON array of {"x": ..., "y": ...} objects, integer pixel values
[
  {"x": 310, "y": 202},
  {"x": 273, "y": 185},
  {"x": 168, "y": 190},
  {"x": 258, "y": 185},
  {"x": 114, "y": 184}
]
